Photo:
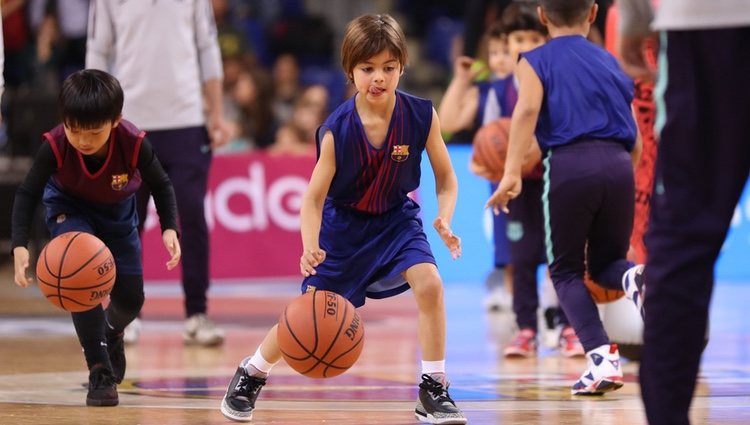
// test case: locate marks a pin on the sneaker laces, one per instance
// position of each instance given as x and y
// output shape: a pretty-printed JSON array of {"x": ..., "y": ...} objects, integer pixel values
[
  {"x": 248, "y": 386},
  {"x": 101, "y": 378},
  {"x": 438, "y": 391}
]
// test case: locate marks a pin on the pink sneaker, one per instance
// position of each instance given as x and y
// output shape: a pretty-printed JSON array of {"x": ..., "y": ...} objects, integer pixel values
[
  {"x": 569, "y": 344},
  {"x": 522, "y": 346}
]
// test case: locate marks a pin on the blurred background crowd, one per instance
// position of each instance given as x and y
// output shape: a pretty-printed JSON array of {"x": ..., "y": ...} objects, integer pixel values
[{"x": 281, "y": 66}]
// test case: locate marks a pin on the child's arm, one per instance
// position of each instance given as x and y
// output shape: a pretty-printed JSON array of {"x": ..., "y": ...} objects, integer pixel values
[
  {"x": 166, "y": 204},
  {"x": 458, "y": 108},
  {"x": 311, "y": 213},
  {"x": 446, "y": 186},
  {"x": 525, "y": 115},
  {"x": 635, "y": 154},
  {"x": 24, "y": 205}
]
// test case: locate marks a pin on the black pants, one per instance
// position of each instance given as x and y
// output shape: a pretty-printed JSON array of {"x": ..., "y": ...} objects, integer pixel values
[
  {"x": 702, "y": 166},
  {"x": 184, "y": 155}
]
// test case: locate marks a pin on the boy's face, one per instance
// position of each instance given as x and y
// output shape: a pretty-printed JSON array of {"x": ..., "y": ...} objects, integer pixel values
[
  {"x": 498, "y": 57},
  {"x": 522, "y": 41},
  {"x": 376, "y": 78},
  {"x": 92, "y": 141}
]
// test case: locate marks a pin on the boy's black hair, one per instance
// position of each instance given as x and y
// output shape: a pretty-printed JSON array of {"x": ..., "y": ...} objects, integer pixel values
[
  {"x": 521, "y": 16},
  {"x": 565, "y": 13},
  {"x": 89, "y": 99}
]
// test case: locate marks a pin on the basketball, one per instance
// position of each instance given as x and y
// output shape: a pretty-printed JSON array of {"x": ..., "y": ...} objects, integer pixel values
[
  {"x": 76, "y": 271},
  {"x": 624, "y": 325},
  {"x": 320, "y": 334},
  {"x": 490, "y": 147},
  {"x": 599, "y": 293}
]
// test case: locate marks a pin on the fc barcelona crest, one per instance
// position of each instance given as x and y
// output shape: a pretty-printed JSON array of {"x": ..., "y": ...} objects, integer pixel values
[
  {"x": 119, "y": 181},
  {"x": 400, "y": 153}
]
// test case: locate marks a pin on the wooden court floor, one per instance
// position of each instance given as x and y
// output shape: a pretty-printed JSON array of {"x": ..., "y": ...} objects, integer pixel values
[{"x": 42, "y": 370}]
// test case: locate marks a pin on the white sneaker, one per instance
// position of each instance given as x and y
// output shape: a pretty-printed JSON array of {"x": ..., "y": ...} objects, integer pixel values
[
  {"x": 132, "y": 332},
  {"x": 201, "y": 331},
  {"x": 498, "y": 299},
  {"x": 633, "y": 283},
  {"x": 604, "y": 373}
]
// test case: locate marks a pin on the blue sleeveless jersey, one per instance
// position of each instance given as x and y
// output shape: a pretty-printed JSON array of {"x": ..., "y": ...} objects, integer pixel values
[
  {"x": 370, "y": 229},
  {"x": 497, "y": 98},
  {"x": 586, "y": 94},
  {"x": 374, "y": 180}
]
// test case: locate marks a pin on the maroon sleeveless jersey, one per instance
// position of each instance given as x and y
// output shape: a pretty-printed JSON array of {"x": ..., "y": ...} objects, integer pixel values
[{"x": 116, "y": 180}]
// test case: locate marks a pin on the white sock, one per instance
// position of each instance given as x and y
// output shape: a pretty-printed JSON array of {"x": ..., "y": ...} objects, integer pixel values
[
  {"x": 258, "y": 362},
  {"x": 432, "y": 367}
]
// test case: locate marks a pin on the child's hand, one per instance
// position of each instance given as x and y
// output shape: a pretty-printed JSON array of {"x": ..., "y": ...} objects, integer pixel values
[
  {"x": 462, "y": 68},
  {"x": 173, "y": 246},
  {"x": 310, "y": 259},
  {"x": 481, "y": 171},
  {"x": 509, "y": 188},
  {"x": 21, "y": 263},
  {"x": 450, "y": 240}
]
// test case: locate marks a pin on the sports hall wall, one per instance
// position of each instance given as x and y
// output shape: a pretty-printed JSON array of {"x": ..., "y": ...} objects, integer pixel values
[{"x": 253, "y": 213}]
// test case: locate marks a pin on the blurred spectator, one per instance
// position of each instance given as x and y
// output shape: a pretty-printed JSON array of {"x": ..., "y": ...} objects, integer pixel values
[
  {"x": 297, "y": 136},
  {"x": 17, "y": 42},
  {"x": 166, "y": 55},
  {"x": 286, "y": 83},
  {"x": 61, "y": 33},
  {"x": 252, "y": 95},
  {"x": 3, "y": 134}
]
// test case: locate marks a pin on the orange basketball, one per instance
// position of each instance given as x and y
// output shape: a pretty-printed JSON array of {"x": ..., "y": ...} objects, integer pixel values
[
  {"x": 75, "y": 271},
  {"x": 490, "y": 147},
  {"x": 599, "y": 293},
  {"x": 320, "y": 334}
]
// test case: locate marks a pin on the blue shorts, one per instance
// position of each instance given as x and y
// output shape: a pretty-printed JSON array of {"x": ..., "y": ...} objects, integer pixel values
[
  {"x": 367, "y": 254},
  {"x": 115, "y": 225}
]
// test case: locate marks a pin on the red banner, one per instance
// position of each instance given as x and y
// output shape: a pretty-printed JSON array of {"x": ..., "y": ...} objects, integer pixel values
[{"x": 252, "y": 211}]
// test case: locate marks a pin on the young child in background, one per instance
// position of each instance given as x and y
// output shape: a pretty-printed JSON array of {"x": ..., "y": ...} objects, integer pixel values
[
  {"x": 577, "y": 100},
  {"x": 361, "y": 233},
  {"x": 73, "y": 174},
  {"x": 467, "y": 105},
  {"x": 522, "y": 31}
]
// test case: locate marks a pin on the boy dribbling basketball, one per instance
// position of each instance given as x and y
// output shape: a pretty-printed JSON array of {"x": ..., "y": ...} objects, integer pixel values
[
  {"x": 87, "y": 175},
  {"x": 361, "y": 233}
]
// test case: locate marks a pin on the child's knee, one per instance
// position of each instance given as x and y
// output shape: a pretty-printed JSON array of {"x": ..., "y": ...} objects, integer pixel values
[{"x": 429, "y": 286}]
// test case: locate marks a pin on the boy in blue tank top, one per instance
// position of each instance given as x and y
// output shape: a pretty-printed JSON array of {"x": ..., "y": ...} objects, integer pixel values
[
  {"x": 523, "y": 239},
  {"x": 576, "y": 100},
  {"x": 467, "y": 105},
  {"x": 361, "y": 234},
  {"x": 87, "y": 175}
]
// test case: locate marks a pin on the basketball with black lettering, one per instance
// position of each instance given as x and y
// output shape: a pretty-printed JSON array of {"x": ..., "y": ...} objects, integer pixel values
[
  {"x": 76, "y": 271},
  {"x": 320, "y": 334}
]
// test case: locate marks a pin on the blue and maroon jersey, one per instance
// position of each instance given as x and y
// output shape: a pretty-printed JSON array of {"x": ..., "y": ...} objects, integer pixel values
[
  {"x": 375, "y": 180},
  {"x": 115, "y": 181},
  {"x": 497, "y": 98}
]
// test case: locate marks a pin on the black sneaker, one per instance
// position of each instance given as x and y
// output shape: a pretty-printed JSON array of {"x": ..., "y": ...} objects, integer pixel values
[
  {"x": 239, "y": 401},
  {"x": 434, "y": 404},
  {"x": 102, "y": 387},
  {"x": 116, "y": 351}
]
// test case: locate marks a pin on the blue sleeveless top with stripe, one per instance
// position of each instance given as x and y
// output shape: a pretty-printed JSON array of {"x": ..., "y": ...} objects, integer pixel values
[{"x": 375, "y": 180}]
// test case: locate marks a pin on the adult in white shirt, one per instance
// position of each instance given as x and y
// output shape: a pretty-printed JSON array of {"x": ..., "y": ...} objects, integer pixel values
[{"x": 166, "y": 56}]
